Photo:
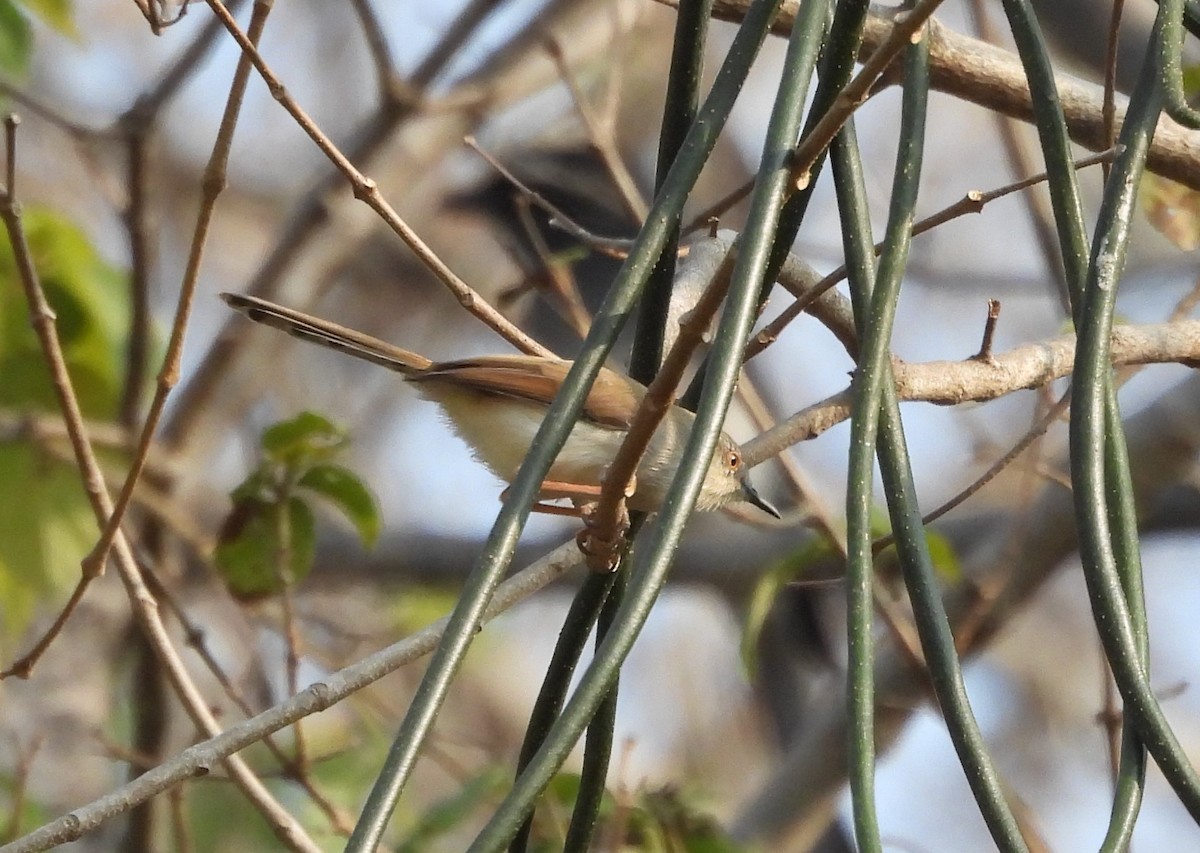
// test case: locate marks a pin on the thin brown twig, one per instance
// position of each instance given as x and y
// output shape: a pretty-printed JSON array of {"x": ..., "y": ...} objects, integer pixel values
[
  {"x": 286, "y": 828},
  {"x": 366, "y": 191},
  {"x": 612, "y": 247},
  {"x": 212, "y": 186},
  {"x": 554, "y": 273},
  {"x": 906, "y": 26},
  {"x": 291, "y": 627},
  {"x": 989, "y": 331}
]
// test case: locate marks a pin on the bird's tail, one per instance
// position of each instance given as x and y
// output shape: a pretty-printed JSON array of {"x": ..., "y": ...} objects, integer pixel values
[{"x": 327, "y": 334}]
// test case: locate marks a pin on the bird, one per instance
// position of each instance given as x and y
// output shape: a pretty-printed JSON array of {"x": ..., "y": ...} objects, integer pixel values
[{"x": 496, "y": 403}]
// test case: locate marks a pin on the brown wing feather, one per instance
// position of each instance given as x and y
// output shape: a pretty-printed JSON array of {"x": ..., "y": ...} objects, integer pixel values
[{"x": 612, "y": 401}]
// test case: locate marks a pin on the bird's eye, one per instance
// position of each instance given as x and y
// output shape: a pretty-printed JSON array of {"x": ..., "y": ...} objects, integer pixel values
[{"x": 734, "y": 459}]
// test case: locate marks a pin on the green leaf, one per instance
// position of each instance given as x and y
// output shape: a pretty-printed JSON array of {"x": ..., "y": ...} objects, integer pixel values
[
  {"x": 16, "y": 39},
  {"x": 253, "y": 546},
  {"x": 346, "y": 491},
  {"x": 304, "y": 439}
]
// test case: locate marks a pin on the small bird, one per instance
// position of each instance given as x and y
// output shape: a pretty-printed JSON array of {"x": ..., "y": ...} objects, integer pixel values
[{"x": 496, "y": 404}]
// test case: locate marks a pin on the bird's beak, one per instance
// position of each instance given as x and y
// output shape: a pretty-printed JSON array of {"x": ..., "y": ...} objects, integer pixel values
[{"x": 751, "y": 496}]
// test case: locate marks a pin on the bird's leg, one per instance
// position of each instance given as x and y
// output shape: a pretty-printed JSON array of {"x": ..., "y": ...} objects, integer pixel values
[
  {"x": 602, "y": 548},
  {"x": 604, "y": 533},
  {"x": 581, "y": 493}
]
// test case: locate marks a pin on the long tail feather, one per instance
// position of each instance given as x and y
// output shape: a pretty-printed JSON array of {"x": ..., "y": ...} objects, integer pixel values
[{"x": 324, "y": 333}]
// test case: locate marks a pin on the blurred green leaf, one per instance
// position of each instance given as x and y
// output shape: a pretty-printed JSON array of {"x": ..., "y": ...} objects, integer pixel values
[
  {"x": 58, "y": 14},
  {"x": 945, "y": 560},
  {"x": 251, "y": 547},
  {"x": 47, "y": 530},
  {"x": 295, "y": 451},
  {"x": 665, "y": 820},
  {"x": 43, "y": 534},
  {"x": 415, "y": 607},
  {"x": 452, "y": 812},
  {"x": 16, "y": 39},
  {"x": 305, "y": 439},
  {"x": 779, "y": 574},
  {"x": 345, "y": 490},
  {"x": 91, "y": 302}
]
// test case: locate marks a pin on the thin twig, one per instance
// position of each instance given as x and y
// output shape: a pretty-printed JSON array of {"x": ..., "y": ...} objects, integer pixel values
[
  {"x": 212, "y": 186},
  {"x": 905, "y": 28},
  {"x": 367, "y": 191},
  {"x": 612, "y": 247},
  {"x": 555, "y": 275},
  {"x": 1021, "y": 161}
]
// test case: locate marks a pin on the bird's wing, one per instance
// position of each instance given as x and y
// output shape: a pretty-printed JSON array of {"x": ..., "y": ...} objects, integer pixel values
[{"x": 611, "y": 402}]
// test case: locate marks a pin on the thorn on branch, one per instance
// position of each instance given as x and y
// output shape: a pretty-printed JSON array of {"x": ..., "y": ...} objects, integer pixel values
[{"x": 989, "y": 332}]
